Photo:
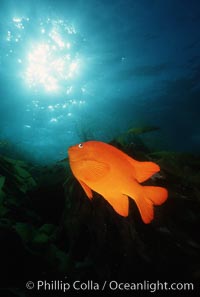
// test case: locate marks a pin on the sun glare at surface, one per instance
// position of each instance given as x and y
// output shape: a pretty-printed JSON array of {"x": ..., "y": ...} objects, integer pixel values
[{"x": 50, "y": 60}]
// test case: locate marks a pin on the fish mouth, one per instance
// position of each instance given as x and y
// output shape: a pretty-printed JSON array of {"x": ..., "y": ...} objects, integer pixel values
[
  {"x": 69, "y": 148},
  {"x": 72, "y": 153},
  {"x": 72, "y": 149}
]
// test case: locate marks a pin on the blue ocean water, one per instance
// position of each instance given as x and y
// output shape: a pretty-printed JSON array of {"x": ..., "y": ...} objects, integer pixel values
[{"x": 72, "y": 70}]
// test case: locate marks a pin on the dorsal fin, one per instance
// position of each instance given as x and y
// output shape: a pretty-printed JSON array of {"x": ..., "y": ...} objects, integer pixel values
[{"x": 143, "y": 170}]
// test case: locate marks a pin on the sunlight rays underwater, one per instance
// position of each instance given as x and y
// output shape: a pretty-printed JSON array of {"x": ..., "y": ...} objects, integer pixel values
[{"x": 44, "y": 56}]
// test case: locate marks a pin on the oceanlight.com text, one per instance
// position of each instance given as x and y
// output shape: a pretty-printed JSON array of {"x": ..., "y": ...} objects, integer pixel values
[{"x": 90, "y": 285}]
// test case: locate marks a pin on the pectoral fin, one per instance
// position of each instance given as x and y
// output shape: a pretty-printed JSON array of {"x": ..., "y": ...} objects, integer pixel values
[
  {"x": 120, "y": 204},
  {"x": 91, "y": 170}
]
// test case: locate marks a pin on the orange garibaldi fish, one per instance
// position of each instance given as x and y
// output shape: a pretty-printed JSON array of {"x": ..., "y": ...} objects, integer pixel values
[{"x": 108, "y": 171}]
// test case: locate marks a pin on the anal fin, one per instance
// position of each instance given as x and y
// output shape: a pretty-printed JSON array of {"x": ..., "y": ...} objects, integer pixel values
[{"x": 120, "y": 204}]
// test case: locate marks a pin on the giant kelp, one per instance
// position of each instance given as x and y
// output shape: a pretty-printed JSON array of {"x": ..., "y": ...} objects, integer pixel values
[{"x": 56, "y": 231}]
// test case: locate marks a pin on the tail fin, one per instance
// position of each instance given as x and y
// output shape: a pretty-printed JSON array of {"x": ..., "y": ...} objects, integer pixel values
[
  {"x": 157, "y": 195},
  {"x": 146, "y": 198}
]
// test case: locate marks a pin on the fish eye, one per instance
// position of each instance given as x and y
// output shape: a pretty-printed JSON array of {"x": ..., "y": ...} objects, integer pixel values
[{"x": 80, "y": 145}]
